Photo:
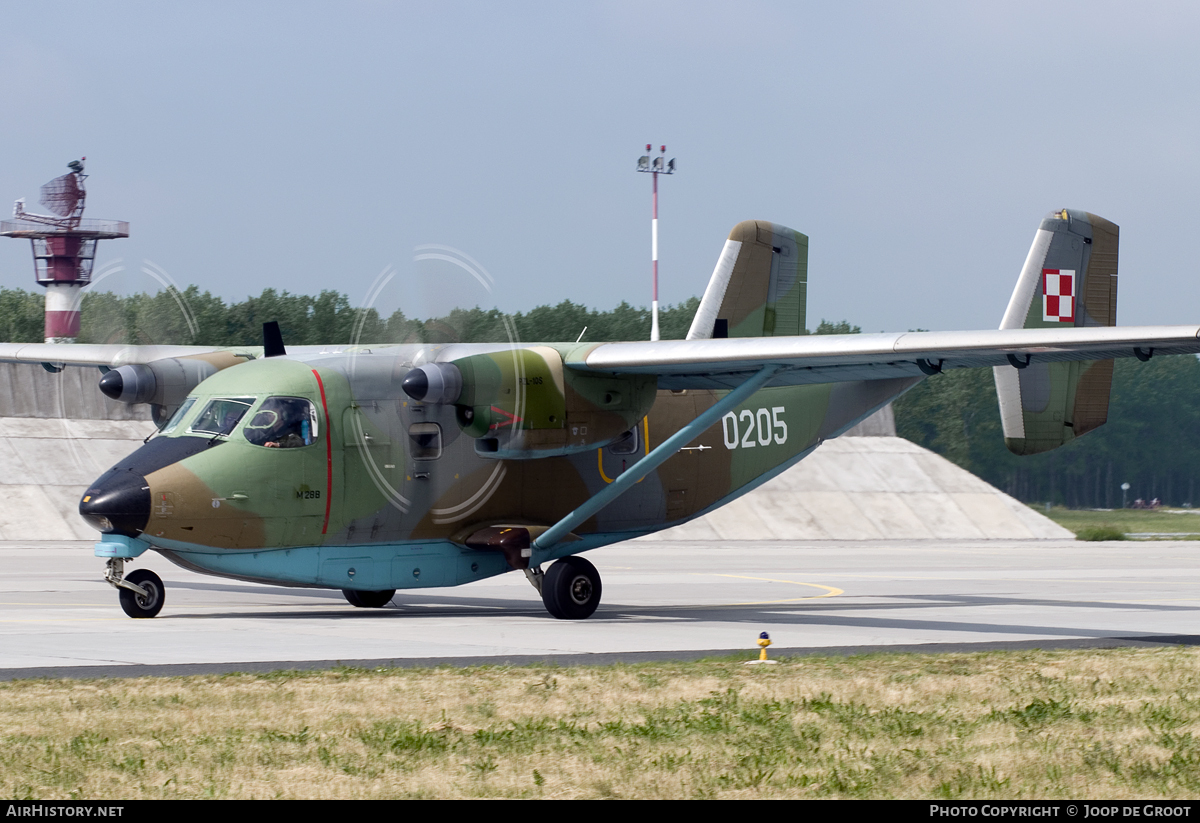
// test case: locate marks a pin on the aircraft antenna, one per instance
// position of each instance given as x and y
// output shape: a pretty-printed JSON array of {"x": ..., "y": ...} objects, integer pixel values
[
  {"x": 655, "y": 167},
  {"x": 64, "y": 247}
]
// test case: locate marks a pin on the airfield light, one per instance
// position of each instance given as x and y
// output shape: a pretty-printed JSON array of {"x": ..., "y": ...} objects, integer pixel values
[
  {"x": 655, "y": 168},
  {"x": 764, "y": 640}
]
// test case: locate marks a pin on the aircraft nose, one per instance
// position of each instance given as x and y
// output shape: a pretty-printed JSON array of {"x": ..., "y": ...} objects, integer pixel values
[{"x": 117, "y": 503}]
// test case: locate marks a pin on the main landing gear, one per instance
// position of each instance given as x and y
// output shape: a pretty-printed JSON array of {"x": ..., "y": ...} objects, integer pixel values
[
  {"x": 141, "y": 592},
  {"x": 369, "y": 600},
  {"x": 570, "y": 589}
]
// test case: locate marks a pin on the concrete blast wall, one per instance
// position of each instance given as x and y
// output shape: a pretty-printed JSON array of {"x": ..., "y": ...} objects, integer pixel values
[
  {"x": 58, "y": 433},
  {"x": 871, "y": 488},
  {"x": 45, "y": 467},
  {"x": 71, "y": 394}
]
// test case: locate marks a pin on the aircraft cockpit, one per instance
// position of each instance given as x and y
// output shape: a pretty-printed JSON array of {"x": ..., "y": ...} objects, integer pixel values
[
  {"x": 283, "y": 423},
  {"x": 278, "y": 423},
  {"x": 221, "y": 416}
]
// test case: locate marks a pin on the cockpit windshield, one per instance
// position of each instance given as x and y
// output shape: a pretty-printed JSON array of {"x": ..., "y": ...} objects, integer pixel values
[
  {"x": 221, "y": 416},
  {"x": 177, "y": 418},
  {"x": 283, "y": 423}
]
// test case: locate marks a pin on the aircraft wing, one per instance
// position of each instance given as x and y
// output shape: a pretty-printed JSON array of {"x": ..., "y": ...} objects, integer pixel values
[
  {"x": 725, "y": 363},
  {"x": 111, "y": 356}
]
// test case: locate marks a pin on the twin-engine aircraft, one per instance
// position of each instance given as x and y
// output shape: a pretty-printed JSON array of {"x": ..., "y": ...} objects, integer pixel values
[{"x": 376, "y": 468}]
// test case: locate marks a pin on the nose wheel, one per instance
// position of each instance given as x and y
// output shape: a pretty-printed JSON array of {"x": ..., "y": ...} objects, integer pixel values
[
  {"x": 571, "y": 589},
  {"x": 149, "y": 601}
]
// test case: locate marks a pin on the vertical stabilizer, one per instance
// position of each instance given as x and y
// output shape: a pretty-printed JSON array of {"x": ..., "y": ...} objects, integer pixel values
[
  {"x": 1069, "y": 278},
  {"x": 759, "y": 286}
]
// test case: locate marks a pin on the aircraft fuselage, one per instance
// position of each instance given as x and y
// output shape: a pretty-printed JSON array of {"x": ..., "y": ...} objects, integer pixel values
[{"x": 365, "y": 488}]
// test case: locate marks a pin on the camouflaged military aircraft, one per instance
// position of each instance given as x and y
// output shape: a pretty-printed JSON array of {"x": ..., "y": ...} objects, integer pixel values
[{"x": 376, "y": 468}]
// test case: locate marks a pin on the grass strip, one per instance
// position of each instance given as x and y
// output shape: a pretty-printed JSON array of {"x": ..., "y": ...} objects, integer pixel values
[
  {"x": 1130, "y": 524},
  {"x": 1122, "y": 723}
]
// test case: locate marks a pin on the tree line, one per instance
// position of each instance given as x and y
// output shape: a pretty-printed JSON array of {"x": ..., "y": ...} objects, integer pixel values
[
  {"x": 192, "y": 317},
  {"x": 1151, "y": 439}
]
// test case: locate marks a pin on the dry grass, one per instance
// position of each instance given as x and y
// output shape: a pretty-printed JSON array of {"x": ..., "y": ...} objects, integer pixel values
[{"x": 1112, "y": 724}]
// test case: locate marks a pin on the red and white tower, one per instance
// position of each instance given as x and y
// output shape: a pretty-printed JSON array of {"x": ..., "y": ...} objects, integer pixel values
[
  {"x": 64, "y": 248},
  {"x": 655, "y": 166}
]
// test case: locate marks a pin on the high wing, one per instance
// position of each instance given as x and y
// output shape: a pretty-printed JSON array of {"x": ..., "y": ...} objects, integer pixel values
[
  {"x": 725, "y": 363},
  {"x": 1063, "y": 309},
  {"x": 115, "y": 355},
  {"x": 161, "y": 376},
  {"x": 107, "y": 355}
]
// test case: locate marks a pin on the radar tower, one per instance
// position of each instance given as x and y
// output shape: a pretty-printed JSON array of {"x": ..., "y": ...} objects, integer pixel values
[{"x": 64, "y": 247}]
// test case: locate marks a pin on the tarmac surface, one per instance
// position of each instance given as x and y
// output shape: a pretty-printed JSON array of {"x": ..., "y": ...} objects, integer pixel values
[{"x": 679, "y": 600}]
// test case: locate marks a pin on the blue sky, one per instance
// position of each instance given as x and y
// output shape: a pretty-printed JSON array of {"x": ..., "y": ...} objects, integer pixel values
[{"x": 308, "y": 146}]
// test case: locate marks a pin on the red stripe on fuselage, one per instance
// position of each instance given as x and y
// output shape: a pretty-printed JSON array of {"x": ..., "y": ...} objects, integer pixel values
[{"x": 328, "y": 454}]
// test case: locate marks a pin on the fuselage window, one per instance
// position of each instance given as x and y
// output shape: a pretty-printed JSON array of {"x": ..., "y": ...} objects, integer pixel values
[
  {"x": 425, "y": 441},
  {"x": 627, "y": 443},
  {"x": 222, "y": 416},
  {"x": 283, "y": 423}
]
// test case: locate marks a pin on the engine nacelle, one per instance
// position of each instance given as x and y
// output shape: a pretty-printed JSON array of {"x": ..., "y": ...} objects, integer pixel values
[
  {"x": 433, "y": 383},
  {"x": 522, "y": 403},
  {"x": 164, "y": 384}
]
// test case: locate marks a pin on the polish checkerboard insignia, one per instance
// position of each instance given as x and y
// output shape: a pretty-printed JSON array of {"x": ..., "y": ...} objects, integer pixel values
[{"x": 1058, "y": 295}]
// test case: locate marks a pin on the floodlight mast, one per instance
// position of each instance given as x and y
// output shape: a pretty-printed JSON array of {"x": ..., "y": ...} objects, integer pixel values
[
  {"x": 64, "y": 248},
  {"x": 655, "y": 167}
]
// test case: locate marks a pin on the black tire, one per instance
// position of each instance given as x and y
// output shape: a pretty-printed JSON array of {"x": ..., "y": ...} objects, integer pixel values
[
  {"x": 369, "y": 600},
  {"x": 134, "y": 604},
  {"x": 571, "y": 589}
]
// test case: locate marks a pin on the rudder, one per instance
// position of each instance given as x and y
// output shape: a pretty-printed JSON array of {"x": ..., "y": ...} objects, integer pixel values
[
  {"x": 1069, "y": 277},
  {"x": 759, "y": 287}
]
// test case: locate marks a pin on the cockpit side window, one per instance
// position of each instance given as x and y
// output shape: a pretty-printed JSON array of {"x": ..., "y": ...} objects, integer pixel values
[
  {"x": 222, "y": 415},
  {"x": 283, "y": 423}
]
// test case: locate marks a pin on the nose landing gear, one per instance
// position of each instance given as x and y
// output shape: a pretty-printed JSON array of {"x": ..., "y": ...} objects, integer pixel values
[{"x": 141, "y": 592}]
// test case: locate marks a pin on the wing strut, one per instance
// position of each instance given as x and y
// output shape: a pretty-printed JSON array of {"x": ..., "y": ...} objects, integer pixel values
[{"x": 553, "y": 536}]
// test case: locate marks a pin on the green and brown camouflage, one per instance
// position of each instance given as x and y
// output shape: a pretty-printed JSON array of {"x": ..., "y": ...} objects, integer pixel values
[
  {"x": 371, "y": 469},
  {"x": 521, "y": 403},
  {"x": 1044, "y": 405},
  {"x": 759, "y": 287},
  {"x": 515, "y": 439},
  {"x": 403, "y": 470}
]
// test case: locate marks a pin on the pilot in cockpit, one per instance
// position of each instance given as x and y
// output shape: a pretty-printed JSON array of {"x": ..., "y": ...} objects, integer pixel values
[{"x": 282, "y": 423}]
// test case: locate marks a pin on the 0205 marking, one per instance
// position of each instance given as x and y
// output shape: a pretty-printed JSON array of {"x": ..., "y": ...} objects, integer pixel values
[{"x": 760, "y": 427}]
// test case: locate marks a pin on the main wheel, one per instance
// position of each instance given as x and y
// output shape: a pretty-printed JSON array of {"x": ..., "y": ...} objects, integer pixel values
[
  {"x": 571, "y": 589},
  {"x": 134, "y": 604},
  {"x": 369, "y": 600}
]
